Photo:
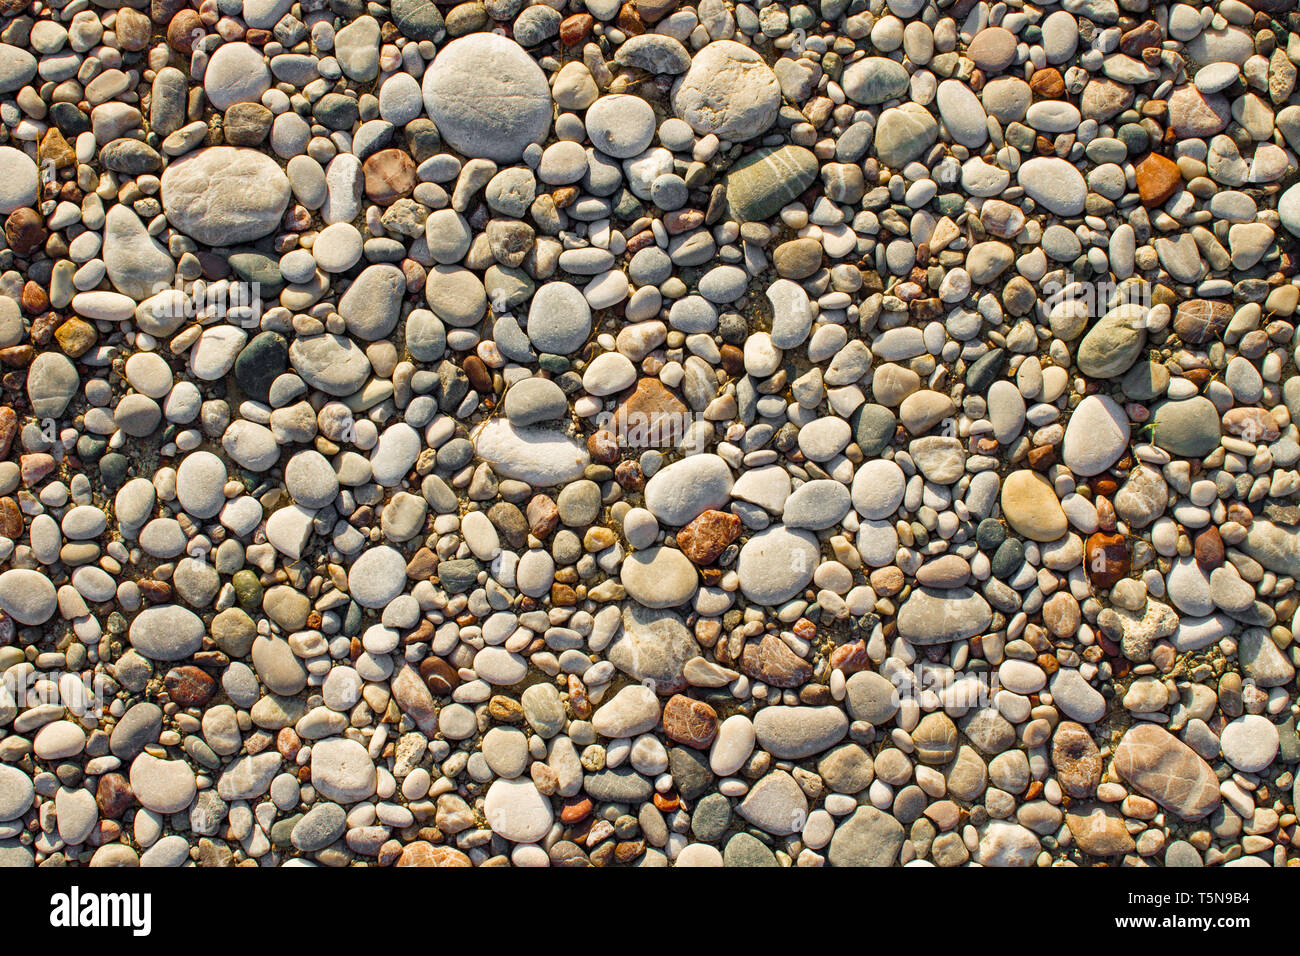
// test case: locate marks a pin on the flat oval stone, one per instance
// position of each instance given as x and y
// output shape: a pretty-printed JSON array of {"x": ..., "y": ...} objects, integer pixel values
[
  {"x": 764, "y": 181},
  {"x": 729, "y": 91},
  {"x": 488, "y": 97},
  {"x": 224, "y": 195},
  {"x": 1162, "y": 767},
  {"x": 776, "y": 564},
  {"x": 167, "y": 632},
  {"x": 793, "y": 733},
  {"x": 934, "y": 616}
]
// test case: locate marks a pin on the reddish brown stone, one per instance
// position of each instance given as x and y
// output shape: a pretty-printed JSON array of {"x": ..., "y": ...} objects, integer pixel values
[
  {"x": 75, "y": 337},
  {"x": 543, "y": 516},
  {"x": 1198, "y": 321},
  {"x": 651, "y": 417},
  {"x": 575, "y": 809},
  {"x": 850, "y": 658},
  {"x": 628, "y": 474},
  {"x": 11, "y": 519},
  {"x": 1208, "y": 548},
  {"x": 184, "y": 30},
  {"x": 626, "y": 851},
  {"x": 579, "y": 703},
  {"x": 480, "y": 379},
  {"x": 155, "y": 592},
  {"x": 684, "y": 220},
  {"x": 1158, "y": 178},
  {"x": 439, "y": 676},
  {"x": 574, "y": 29},
  {"x": 8, "y": 428},
  {"x": 35, "y": 467},
  {"x": 705, "y": 538},
  {"x": 602, "y": 445},
  {"x": 1254, "y": 425},
  {"x": 422, "y": 565},
  {"x": 426, "y": 854},
  {"x": 1102, "y": 485},
  {"x": 1106, "y": 559},
  {"x": 113, "y": 795},
  {"x": 690, "y": 722},
  {"x": 771, "y": 661},
  {"x": 189, "y": 686},
  {"x": 1047, "y": 84},
  {"x": 34, "y": 299},
  {"x": 390, "y": 175},
  {"x": 733, "y": 360},
  {"x": 1042, "y": 457},
  {"x": 1076, "y": 759},
  {"x": 25, "y": 231},
  {"x": 288, "y": 743},
  {"x": 629, "y": 20},
  {"x": 1141, "y": 37},
  {"x": 666, "y": 802}
]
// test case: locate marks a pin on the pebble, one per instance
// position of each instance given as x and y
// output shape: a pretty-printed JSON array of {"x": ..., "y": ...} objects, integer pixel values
[{"x": 552, "y": 435}]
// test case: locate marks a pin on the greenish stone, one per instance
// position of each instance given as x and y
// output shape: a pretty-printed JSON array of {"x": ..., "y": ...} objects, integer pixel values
[
  {"x": 990, "y": 534},
  {"x": 89, "y": 448},
  {"x": 259, "y": 363},
  {"x": 336, "y": 111},
  {"x": 281, "y": 830},
  {"x": 1020, "y": 136},
  {"x": 986, "y": 370},
  {"x": 458, "y": 576},
  {"x": 832, "y": 62},
  {"x": 1134, "y": 137},
  {"x": 904, "y": 133},
  {"x": 248, "y": 589},
  {"x": 417, "y": 19},
  {"x": 712, "y": 814},
  {"x": 690, "y": 770},
  {"x": 257, "y": 267},
  {"x": 352, "y": 619},
  {"x": 70, "y": 120},
  {"x": 1189, "y": 427},
  {"x": 873, "y": 428},
  {"x": 832, "y": 10},
  {"x": 628, "y": 207},
  {"x": 422, "y": 137},
  {"x": 1105, "y": 149},
  {"x": 1008, "y": 558},
  {"x": 1288, "y": 749},
  {"x": 766, "y": 180},
  {"x": 112, "y": 470},
  {"x": 950, "y": 204},
  {"x": 1113, "y": 344},
  {"x": 1144, "y": 381},
  {"x": 744, "y": 850},
  {"x": 200, "y": 752},
  {"x": 556, "y": 364}
]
